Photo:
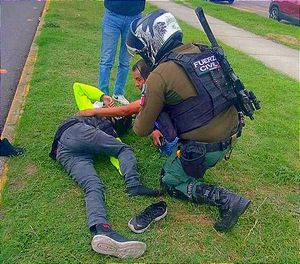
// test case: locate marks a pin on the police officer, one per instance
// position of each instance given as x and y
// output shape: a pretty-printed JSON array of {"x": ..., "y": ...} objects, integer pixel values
[{"x": 188, "y": 83}]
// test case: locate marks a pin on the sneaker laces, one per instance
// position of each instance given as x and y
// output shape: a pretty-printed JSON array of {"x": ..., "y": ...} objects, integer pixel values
[{"x": 149, "y": 213}]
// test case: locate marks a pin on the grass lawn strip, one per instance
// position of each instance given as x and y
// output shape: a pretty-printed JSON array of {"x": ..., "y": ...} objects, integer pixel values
[
  {"x": 285, "y": 34},
  {"x": 43, "y": 210}
]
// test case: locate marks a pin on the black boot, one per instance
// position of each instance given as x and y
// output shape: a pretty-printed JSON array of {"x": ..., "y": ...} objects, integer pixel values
[{"x": 231, "y": 206}]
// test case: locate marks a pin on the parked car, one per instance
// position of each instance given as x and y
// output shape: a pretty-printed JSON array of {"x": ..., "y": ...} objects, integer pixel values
[
  {"x": 288, "y": 10},
  {"x": 229, "y": 1}
]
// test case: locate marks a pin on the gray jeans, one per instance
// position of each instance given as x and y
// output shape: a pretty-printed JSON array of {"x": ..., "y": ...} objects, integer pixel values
[{"x": 77, "y": 149}]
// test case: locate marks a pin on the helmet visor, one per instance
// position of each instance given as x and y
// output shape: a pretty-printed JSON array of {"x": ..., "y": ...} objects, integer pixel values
[
  {"x": 132, "y": 51},
  {"x": 133, "y": 43}
]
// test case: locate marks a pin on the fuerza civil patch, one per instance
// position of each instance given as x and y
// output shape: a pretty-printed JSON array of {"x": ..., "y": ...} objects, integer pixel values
[{"x": 205, "y": 62}]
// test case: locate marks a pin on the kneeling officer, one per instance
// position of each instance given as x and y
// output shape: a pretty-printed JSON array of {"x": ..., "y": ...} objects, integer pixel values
[{"x": 188, "y": 83}]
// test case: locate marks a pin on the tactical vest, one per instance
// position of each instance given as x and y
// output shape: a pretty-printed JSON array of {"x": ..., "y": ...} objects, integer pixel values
[{"x": 213, "y": 92}]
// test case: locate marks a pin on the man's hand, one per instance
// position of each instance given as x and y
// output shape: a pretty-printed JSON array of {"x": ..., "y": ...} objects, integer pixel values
[
  {"x": 107, "y": 101},
  {"x": 87, "y": 112},
  {"x": 156, "y": 135}
]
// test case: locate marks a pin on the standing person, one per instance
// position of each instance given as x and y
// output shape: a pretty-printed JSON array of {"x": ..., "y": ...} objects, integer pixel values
[
  {"x": 189, "y": 84},
  {"x": 116, "y": 21},
  {"x": 77, "y": 142}
]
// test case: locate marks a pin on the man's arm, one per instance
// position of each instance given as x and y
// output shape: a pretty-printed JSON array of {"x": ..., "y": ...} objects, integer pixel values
[
  {"x": 154, "y": 101},
  {"x": 125, "y": 110},
  {"x": 85, "y": 95}
]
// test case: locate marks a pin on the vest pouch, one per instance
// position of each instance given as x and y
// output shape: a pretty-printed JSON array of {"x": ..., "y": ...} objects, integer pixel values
[{"x": 192, "y": 155}]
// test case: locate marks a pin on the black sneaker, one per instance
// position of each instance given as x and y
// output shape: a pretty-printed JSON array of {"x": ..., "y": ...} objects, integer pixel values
[
  {"x": 108, "y": 242},
  {"x": 152, "y": 213}
]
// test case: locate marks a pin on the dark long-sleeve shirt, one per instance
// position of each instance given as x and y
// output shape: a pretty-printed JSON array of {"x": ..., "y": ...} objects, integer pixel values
[{"x": 125, "y": 7}]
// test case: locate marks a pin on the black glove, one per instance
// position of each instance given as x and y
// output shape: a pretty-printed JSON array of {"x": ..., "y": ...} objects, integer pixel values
[{"x": 142, "y": 190}]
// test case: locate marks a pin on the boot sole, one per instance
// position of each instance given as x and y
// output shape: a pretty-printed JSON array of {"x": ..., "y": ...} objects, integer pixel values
[
  {"x": 242, "y": 207},
  {"x": 139, "y": 231},
  {"x": 107, "y": 246}
]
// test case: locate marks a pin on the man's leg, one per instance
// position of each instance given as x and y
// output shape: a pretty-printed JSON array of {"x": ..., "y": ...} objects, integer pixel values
[
  {"x": 124, "y": 59},
  {"x": 101, "y": 143},
  {"x": 109, "y": 42},
  {"x": 80, "y": 167},
  {"x": 94, "y": 141},
  {"x": 179, "y": 184}
]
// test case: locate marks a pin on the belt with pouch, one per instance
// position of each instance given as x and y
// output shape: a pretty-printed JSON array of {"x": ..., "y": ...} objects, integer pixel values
[{"x": 215, "y": 146}]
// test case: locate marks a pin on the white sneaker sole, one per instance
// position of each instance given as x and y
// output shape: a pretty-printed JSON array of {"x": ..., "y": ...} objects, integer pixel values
[
  {"x": 107, "y": 246},
  {"x": 131, "y": 227}
]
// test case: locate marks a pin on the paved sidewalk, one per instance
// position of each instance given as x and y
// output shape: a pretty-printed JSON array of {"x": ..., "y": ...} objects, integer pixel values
[{"x": 273, "y": 55}]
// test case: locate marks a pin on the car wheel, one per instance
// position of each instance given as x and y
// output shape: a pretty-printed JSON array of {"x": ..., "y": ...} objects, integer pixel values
[{"x": 274, "y": 13}]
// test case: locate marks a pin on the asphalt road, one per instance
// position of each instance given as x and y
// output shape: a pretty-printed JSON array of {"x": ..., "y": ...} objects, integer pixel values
[
  {"x": 19, "y": 20},
  {"x": 258, "y": 7}
]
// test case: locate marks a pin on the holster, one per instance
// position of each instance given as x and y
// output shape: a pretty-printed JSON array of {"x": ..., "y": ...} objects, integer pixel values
[{"x": 192, "y": 156}]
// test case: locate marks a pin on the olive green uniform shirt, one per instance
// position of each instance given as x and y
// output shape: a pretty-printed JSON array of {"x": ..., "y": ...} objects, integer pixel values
[{"x": 168, "y": 84}]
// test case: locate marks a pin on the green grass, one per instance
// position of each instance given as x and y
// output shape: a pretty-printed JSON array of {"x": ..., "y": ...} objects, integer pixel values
[
  {"x": 43, "y": 211},
  {"x": 285, "y": 34}
]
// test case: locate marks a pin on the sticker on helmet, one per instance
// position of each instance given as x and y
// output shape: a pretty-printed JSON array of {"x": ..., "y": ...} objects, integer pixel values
[{"x": 155, "y": 32}]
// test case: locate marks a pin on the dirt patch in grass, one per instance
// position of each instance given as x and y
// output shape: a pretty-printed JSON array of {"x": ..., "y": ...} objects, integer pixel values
[
  {"x": 188, "y": 246},
  {"x": 30, "y": 169},
  {"x": 17, "y": 184},
  {"x": 76, "y": 190},
  {"x": 277, "y": 197},
  {"x": 185, "y": 244},
  {"x": 277, "y": 191},
  {"x": 2, "y": 214},
  {"x": 198, "y": 219},
  {"x": 284, "y": 38}
]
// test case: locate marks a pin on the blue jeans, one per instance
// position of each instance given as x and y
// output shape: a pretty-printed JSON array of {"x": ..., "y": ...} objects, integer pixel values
[{"x": 114, "y": 26}]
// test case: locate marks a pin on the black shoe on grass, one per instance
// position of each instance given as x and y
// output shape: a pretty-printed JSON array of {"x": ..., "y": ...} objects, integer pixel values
[
  {"x": 108, "y": 242},
  {"x": 152, "y": 213},
  {"x": 8, "y": 150}
]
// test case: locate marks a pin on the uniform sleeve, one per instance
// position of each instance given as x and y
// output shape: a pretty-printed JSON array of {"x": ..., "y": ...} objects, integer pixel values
[
  {"x": 154, "y": 101},
  {"x": 85, "y": 95}
]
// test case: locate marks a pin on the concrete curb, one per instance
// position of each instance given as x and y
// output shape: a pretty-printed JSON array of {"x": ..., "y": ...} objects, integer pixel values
[{"x": 17, "y": 105}]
